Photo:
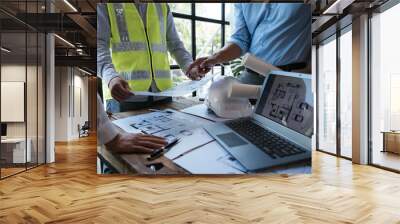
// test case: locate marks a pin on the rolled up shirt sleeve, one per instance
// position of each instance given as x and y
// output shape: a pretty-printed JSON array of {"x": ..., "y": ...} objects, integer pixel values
[
  {"x": 175, "y": 45},
  {"x": 240, "y": 35},
  {"x": 105, "y": 67},
  {"x": 106, "y": 130}
]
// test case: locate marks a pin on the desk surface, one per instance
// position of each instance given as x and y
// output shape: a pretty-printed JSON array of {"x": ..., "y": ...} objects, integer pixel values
[
  {"x": 13, "y": 140},
  {"x": 136, "y": 163}
]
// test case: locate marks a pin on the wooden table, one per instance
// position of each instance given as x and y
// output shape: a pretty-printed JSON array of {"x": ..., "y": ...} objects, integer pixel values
[
  {"x": 138, "y": 163},
  {"x": 391, "y": 141}
]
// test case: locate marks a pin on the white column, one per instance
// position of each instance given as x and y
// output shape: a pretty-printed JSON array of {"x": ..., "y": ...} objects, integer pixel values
[
  {"x": 50, "y": 99},
  {"x": 360, "y": 90},
  {"x": 314, "y": 89}
]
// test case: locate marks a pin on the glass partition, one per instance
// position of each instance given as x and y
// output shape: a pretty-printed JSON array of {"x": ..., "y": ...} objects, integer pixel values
[
  {"x": 385, "y": 89},
  {"x": 327, "y": 96},
  {"x": 22, "y": 78},
  {"x": 346, "y": 94},
  {"x": 14, "y": 143}
]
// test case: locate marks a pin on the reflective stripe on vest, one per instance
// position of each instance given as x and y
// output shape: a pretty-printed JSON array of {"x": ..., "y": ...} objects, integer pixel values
[{"x": 137, "y": 57}]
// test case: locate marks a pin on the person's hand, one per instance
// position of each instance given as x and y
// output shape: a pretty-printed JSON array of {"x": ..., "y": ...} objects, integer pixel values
[
  {"x": 120, "y": 89},
  {"x": 200, "y": 67},
  {"x": 136, "y": 143}
]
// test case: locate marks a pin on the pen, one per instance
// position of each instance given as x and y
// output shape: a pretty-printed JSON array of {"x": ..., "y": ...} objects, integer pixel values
[
  {"x": 155, "y": 110},
  {"x": 159, "y": 152},
  {"x": 163, "y": 111}
]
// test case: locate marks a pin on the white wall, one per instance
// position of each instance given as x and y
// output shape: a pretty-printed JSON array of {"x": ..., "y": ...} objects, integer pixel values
[
  {"x": 71, "y": 102},
  {"x": 34, "y": 125}
]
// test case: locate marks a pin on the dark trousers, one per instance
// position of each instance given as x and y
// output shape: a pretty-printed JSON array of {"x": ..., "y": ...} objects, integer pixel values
[{"x": 114, "y": 106}]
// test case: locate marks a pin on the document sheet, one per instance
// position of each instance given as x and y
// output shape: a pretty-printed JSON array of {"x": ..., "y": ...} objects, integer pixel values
[
  {"x": 209, "y": 159},
  {"x": 179, "y": 90},
  {"x": 202, "y": 110},
  {"x": 170, "y": 124}
]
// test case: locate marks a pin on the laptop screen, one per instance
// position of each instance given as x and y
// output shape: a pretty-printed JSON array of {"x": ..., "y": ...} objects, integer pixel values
[{"x": 288, "y": 101}]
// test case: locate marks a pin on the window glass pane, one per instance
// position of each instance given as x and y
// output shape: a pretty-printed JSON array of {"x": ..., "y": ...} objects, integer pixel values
[
  {"x": 184, "y": 8},
  {"x": 209, "y": 10},
  {"x": 385, "y": 87},
  {"x": 208, "y": 38},
  {"x": 13, "y": 84},
  {"x": 183, "y": 26},
  {"x": 327, "y": 97},
  {"x": 229, "y": 18},
  {"x": 346, "y": 94}
]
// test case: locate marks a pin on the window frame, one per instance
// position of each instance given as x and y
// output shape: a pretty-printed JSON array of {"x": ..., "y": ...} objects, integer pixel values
[
  {"x": 193, "y": 18},
  {"x": 336, "y": 36}
]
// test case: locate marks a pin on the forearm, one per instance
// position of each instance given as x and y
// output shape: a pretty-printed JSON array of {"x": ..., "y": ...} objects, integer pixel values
[
  {"x": 228, "y": 53},
  {"x": 176, "y": 46},
  {"x": 106, "y": 131},
  {"x": 105, "y": 67}
]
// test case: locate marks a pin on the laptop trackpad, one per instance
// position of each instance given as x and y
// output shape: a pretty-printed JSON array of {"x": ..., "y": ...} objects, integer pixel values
[{"x": 231, "y": 139}]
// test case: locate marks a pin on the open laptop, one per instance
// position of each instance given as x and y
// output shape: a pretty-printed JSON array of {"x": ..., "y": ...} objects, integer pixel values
[{"x": 279, "y": 130}]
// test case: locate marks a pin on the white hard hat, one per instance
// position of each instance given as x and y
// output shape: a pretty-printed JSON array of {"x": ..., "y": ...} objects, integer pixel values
[{"x": 220, "y": 101}]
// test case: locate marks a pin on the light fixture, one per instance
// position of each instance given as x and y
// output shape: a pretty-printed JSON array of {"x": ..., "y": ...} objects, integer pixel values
[
  {"x": 337, "y": 7},
  {"x": 84, "y": 71},
  {"x": 5, "y": 50},
  {"x": 65, "y": 41},
  {"x": 70, "y": 5}
]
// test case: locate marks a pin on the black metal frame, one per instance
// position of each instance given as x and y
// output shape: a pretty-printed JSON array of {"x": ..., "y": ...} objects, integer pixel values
[{"x": 28, "y": 30}]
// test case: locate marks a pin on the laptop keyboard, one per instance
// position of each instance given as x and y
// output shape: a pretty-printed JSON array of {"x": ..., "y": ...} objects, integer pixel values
[{"x": 270, "y": 143}]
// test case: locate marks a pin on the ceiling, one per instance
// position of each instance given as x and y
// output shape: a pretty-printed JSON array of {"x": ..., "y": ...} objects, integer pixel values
[
  {"x": 74, "y": 22},
  {"x": 331, "y": 15}
]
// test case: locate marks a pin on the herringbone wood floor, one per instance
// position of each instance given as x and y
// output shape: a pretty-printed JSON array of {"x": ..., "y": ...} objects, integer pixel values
[{"x": 69, "y": 191}]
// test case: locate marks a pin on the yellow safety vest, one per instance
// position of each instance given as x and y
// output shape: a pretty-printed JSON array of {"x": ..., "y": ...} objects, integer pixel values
[{"x": 139, "y": 51}]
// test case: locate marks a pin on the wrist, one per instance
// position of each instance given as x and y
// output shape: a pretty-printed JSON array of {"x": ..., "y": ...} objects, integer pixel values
[
  {"x": 113, "y": 142},
  {"x": 215, "y": 58},
  {"x": 112, "y": 80}
]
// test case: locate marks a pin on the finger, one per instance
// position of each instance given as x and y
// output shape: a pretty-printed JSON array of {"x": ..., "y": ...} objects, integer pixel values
[
  {"x": 124, "y": 89},
  {"x": 140, "y": 149},
  {"x": 126, "y": 94},
  {"x": 150, "y": 145},
  {"x": 195, "y": 64},
  {"x": 187, "y": 73},
  {"x": 125, "y": 84},
  {"x": 205, "y": 64},
  {"x": 150, "y": 136},
  {"x": 122, "y": 92},
  {"x": 193, "y": 76},
  {"x": 206, "y": 70},
  {"x": 153, "y": 139},
  {"x": 116, "y": 95}
]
